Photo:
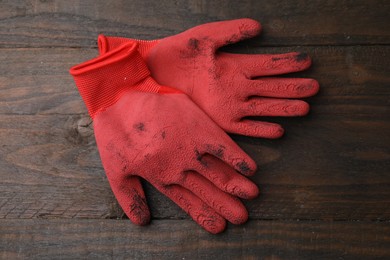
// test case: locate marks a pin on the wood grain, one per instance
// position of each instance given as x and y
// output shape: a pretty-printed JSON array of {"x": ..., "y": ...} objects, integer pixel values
[
  {"x": 325, "y": 186},
  {"x": 331, "y": 165},
  {"x": 353, "y": 80},
  {"x": 181, "y": 239},
  {"x": 75, "y": 23}
]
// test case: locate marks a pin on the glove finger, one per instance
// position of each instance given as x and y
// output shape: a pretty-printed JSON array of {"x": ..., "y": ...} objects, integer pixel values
[
  {"x": 275, "y": 107},
  {"x": 229, "y": 152},
  {"x": 282, "y": 87},
  {"x": 199, "y": 211},
  {"x": 257, "y": 129},
  {"x": 131, "y": 198},
  {"x": 271, "y": 64},
  {"x": 224, "y": 177},
  {"x": 229, "y": 207},
  {"x": 223, "y": 33}
]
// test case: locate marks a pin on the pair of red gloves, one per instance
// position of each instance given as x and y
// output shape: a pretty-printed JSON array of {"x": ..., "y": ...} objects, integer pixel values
[{"x": 161, "y": 108}]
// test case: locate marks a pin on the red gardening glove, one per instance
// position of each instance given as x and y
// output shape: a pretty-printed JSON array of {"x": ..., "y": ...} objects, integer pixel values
[
  {"x": 143, "y": 129},
  {"x": 228, "y": 87}
]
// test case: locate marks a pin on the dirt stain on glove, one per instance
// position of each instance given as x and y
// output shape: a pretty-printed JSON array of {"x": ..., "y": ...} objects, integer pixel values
[
  {"x": 301, "y": 57},
  {"x": 244, "y": 167},
  {"x": 140, "y": 127},
  {"x": 139, "y": 208}
]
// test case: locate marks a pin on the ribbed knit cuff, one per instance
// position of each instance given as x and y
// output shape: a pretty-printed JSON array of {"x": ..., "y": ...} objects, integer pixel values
[
  {"x": 103, "y": 80},
  {"x": 107, "y": 43}
]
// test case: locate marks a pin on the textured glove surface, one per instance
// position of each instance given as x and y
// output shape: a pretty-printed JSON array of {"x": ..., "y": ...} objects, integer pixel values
[
  {"x": 165, "y": 139},
  {"x": 228, "y": 87}
]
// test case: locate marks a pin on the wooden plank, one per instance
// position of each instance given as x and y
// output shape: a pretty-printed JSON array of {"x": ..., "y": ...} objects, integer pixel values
[
  {"x": 353, "y": 80},
  {"x": 38, "y": 81},
  {"x": 76, "y": 23},
  {"x": 180, "y": 239}
]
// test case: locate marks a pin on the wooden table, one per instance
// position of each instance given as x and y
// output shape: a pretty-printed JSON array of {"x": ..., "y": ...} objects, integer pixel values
[{"x": 325, "y": 185}]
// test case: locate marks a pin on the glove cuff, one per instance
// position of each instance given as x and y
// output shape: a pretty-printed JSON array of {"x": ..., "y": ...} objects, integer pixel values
[
  {"x": 107, "y": 43},
  {"x": 103, "y": 80}
]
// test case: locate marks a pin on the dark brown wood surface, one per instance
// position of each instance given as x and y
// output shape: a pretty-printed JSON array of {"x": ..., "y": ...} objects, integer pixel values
[
  {"x": 182, "y": 239},
  {"x": 325, "y": 185}
]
